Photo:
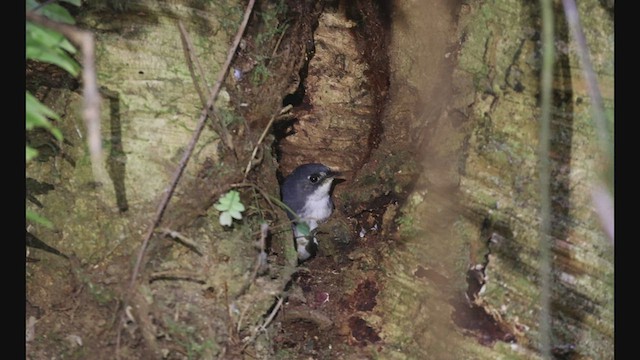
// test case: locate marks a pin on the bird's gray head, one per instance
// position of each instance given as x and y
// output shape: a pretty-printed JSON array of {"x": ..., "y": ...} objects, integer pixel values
[{"x": 307, "y": 192}]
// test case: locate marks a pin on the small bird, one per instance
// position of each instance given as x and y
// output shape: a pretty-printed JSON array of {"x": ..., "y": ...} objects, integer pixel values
[{"x": 307, "y": 192}]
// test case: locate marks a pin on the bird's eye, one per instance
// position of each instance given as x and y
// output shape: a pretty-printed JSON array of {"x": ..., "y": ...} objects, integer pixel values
[{"x": 313, "y": 179}]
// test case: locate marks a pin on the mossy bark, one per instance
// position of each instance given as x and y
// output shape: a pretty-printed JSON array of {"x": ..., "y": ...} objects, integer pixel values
[{"x": 476, "y": 205}]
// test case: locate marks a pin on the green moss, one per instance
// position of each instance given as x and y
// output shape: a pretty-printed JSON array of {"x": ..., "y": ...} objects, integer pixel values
[
  {"x": 100, "y": 293},
  {"x": 190, "y": 340}
]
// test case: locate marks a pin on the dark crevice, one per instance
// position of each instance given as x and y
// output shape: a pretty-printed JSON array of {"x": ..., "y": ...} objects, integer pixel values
[
  {"x": 362, "y": 332},
  {"x": 297, "y": 97},
  {"x": 280, "y": 130},
  {"x": 372, "y": 34},
  {"x": 475, "y": 321},
  {"x": 513, "y": 74},
  {"x": 473, "y": 318}
]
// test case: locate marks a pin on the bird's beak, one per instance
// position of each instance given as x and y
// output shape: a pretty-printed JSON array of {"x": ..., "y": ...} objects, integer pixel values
[{"x": 335, "y": 175}]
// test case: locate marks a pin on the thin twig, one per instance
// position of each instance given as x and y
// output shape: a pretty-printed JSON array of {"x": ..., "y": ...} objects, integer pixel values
[
  {"x": 191, "y": 50},
  {"x": 603, "y": 199},
  {"x": 603, "y": 202},
  {"x": 118, "y": 336},
  {"x": 272, "y": 315},
  {"x": 262, "y": 192},
  {"x": 91, "y": 97},
  {"x": 266, "y": 323},
  {"x": 190, "y": 56},
  {"x": 545, "y": 178},
  {"x": 175, "y": 276},
  {"x": 190, "y": 244},
  {"x": 261, "y": 262},
  {"x": 275, "y": 48},
  {"x": 573, "y": 19},
  {"x": 264, "y": 134}
]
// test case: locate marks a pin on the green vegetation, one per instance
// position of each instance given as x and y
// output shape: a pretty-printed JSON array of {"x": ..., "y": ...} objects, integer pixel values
[
  {"x": 230, "y": 208},
  {"x": 187, "y": 337},
  {"x": 267, "y": 41},
  {"x": 47, "y": 46}
]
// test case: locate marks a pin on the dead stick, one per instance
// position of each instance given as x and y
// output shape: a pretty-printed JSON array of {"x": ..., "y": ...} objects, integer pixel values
[
  {"x": 275, "y": 48},
  {"x": 190, "y": 244},
  {"x": 91, "y": 98},
  {"x": 266, "y": 323},
  {"x": 190, "y": 56},
  {"x": 187, "y": 47},
  {"x": 264, "y": 134},
  {"x": 261, "y": 261},
  {"x": 262, "y": 192}
]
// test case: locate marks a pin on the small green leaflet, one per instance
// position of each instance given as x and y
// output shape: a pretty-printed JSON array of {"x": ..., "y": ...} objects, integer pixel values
[
  {"x": 54, "y": 11},
  {"x": 46, "y": 45},
  {"x": 230, "y": 208},
  {"x": 31, "y": 153},
  {"x": 37, "y": 114},
  {"x": 51, "y": 47},
  {"x": 33, "y": 216},
  {"x": 303, "y": 228}
]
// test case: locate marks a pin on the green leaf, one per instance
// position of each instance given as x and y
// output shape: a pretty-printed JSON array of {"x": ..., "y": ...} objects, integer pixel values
[
  {"x": 68, "y": 47},
  {"x": 51, "y": 47},
  {"x": 37, "y": 35},
  {"x": 31, "y": 4},
  {"x": 225, "y": 219},
  {"x": 73, "y": 2},
  {"x": 31, "y": 153},
  {"x": 37, "y": 114},
  {"x": 53, "y": 57},
  {"x": 237, "y": 206},
  {"x": 230, "y": 208},
  {"x": 228, "y": 201},
  {"x": 33, "y": 216},
  {"x": 57, "y": 13},
  {"x": 235, "y": 214},
  {"x": 303, "y": 228},
  {"x": 53, "y": 11}
]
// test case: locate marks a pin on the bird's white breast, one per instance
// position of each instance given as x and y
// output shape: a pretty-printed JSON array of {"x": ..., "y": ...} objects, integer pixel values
[{"x": 318, "y": 206}]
